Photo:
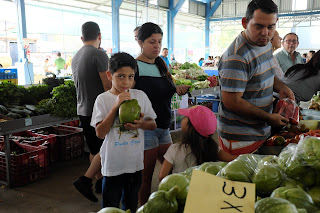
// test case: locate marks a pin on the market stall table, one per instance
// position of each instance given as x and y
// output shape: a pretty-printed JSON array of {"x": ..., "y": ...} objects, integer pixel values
[{"x": 24, "y": 124}]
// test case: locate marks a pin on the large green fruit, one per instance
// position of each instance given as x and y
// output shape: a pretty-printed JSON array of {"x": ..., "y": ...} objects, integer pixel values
[
  {"x": 140, "y": 210},
  {"x": 291, "y": 162},
  {"x": 297, "y": 196},
  {"x": 188, "y": 172},
  {"x": 212, "y": 167},
  {"x": 240, "y": 169},
  {"x": 291, "y": 183},
  {"x": 179, "y": 181},
  {"x": 162, "y": 202},
  {"x": 113, "y": 210},
  {"x": 309, "y": 178},
  {"x": 129, "y": 111},
  {"x": 267, "y": 176},
  {"x": 315, "y": 195},
  {"x": 310, "y": 150},
  {"x": 274, "y": 205}
]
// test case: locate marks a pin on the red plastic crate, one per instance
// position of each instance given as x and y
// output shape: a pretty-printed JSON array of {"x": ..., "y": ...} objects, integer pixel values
[
  {"x": 69, "y": 139},
  {"x": 75, "y": 123},
  {"x": 26, "y": 167},
  {"x": 34, "y": 139}
]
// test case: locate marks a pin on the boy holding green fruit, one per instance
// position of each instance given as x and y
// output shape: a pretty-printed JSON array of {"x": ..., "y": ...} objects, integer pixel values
[{"x": 122, "y": 149}]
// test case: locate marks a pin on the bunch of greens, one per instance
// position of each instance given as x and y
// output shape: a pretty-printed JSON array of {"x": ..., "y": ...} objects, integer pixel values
[
  {"x": 10, "y": 93},
  {"x": 53, "y": 82},
  {"x": 63, "y": 102}
]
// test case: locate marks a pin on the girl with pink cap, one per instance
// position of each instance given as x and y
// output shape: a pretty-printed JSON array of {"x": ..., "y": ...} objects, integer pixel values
[{"x": 197, "y": 146}]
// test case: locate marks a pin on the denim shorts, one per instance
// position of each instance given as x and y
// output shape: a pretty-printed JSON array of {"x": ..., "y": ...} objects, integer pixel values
[{"x": 155, "y": 138}]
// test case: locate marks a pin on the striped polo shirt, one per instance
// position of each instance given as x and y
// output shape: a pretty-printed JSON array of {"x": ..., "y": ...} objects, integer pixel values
[{"x": 250, "y": 70}]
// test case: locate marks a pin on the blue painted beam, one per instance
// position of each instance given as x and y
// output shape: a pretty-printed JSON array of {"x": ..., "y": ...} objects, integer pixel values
[
  {"x": 199, "y": 2},
  {"x": 213, "y": 8},
  {"x": 280, "y": 15},
  {"x": 226, "y": 19},
  {"x": 177, "y": 8},
  {"x": 207, "y": 32},
  {"x": 300, "y": 14},
  {"x": 171, "y": 14},
  {"x": 115, "y": 4},
  {"x": 209, "y": 12},
  {"x": 21, "y": 29},
  {"x": 170, "y": 28}
]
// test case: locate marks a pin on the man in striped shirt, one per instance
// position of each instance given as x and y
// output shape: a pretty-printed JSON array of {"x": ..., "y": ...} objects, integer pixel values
[{"x": 247, "y": 79}]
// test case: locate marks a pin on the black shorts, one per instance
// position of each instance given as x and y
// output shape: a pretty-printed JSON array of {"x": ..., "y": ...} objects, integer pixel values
[{"x": 94, "y": 143}]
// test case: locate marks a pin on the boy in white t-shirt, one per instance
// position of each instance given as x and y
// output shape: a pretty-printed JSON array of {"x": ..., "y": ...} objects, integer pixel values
[{"x": 122, "y": 149}]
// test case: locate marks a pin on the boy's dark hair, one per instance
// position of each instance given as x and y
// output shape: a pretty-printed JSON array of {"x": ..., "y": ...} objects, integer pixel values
[
  {"x": 59, "y": 54},
  {"x": 90, "y": 31},
  {"x": 292, "y": 33},
  {"x": 205, "y": 149},
  {"x": 266, "y": 6},
  {"x": 305, "y": 54},
  {"x": 164, "y": 48},
  {"x": 121, "y": 59},
  {"x": 137, "y": 28}
]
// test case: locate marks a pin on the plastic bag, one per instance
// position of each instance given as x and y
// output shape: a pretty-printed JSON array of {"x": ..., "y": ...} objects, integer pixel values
[
  {"x": 289, "y": 109},
  {"x": 241, "y": 169},
  {"x": 267, "y": 175}
]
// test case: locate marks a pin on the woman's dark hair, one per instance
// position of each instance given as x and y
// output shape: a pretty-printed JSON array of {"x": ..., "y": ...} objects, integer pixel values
[
  {"x": 145, "y": 31},
  {"x": 121, "y": 59},
  {"x": 90, "y": 31},
  {"x": 201, "y": 59},
  {"x": 205, "y": 149},
  {"x": 266, "y": 6},
  {"x": 311, "y": 68}
]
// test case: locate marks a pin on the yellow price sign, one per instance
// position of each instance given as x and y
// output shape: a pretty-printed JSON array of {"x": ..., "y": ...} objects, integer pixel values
[{"x": 209, "y": 193}]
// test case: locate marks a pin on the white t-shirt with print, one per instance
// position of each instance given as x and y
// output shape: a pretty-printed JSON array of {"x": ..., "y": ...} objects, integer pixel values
[
  {"x": 180, "y": 157},
  {"x": 121, "y": 151}
]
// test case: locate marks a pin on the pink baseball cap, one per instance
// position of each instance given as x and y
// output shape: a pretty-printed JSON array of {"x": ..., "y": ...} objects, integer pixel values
[{"x": 202, "y": 119}]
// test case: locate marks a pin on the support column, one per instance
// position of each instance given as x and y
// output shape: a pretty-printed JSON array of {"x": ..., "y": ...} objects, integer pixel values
[
  {"x": 171, "y": 14},
  {"x": 209, "y": 12},
  {"x": 21, "y": 29},
  {"x": 115, "y": 25},
  {"x": 25, "y": 69}
]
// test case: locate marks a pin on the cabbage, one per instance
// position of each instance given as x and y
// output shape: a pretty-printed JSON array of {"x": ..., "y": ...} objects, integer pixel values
[
  {"x": 267, "y": 175},
  {"x": 310, "y": 150},
  {"x": 297, "y": 196},
  {"x": 274, "y": 205}
]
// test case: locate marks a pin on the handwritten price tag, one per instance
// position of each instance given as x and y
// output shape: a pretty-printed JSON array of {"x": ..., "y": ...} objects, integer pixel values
[{"x": 209, "y": 193}]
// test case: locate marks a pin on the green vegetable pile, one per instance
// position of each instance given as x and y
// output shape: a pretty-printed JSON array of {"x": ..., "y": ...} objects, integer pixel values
[
  {"x": 63, "y": 102},
  {"x": 289, "y": 183}
]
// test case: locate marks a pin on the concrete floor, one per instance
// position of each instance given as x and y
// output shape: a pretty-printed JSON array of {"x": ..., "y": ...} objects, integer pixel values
[{"x": 55, "y": 193}]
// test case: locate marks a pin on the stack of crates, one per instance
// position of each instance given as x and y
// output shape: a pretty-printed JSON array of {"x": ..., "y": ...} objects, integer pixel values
[
  {"x": 70, "y": 140},
  {"x": 9, "y": 74},
  {"x": 28, "y": 163},
  {"x": 32, "y": 139}
]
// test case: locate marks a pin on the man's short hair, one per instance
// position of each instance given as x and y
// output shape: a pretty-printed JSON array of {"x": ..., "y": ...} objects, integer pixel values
[
  {"x": 266, "y": 6},
  {"x": 90, "y": 31},
  {"x": 121, "y": 59},
  {"x": 292, "y": 33},
  {"x": 312, "y": 52},
  {"x": 137, "y": 28},
  {"x": 164, "y": 49},
  {"x": 59, "y": 54}
]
